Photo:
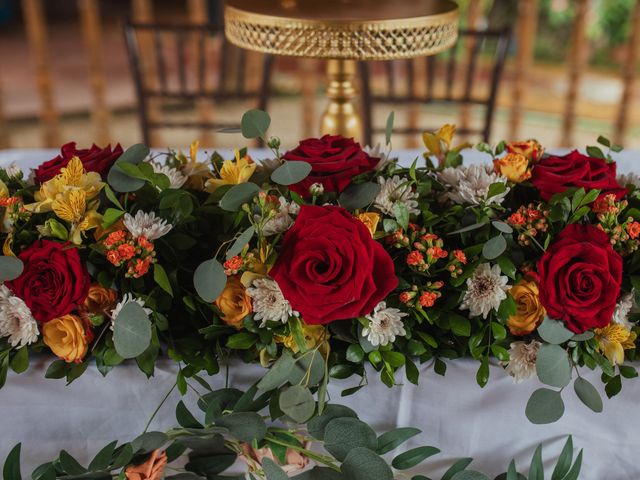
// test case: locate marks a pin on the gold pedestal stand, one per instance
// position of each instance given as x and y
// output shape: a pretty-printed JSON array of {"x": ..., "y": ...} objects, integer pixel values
[{"x": 343, "y": 31}]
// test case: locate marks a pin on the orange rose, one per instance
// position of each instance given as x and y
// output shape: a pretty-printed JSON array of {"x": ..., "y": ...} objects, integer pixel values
[
  {"x": 530, "y": 312},
  {"x": 67, "y": 337},
  {"x": 100, "y": 299},
  {"x": 152, "y": 469},
  {"x": 530, "y": 149},
  {"x": 514, "y": 166},
  {"x": 234, "y": 303}
]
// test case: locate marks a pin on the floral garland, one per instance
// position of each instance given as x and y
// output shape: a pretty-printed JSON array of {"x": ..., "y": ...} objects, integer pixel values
[{"x": 323, "y": 260}]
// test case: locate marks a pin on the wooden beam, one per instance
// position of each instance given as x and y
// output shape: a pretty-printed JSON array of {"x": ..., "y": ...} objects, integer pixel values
[
  {"x": 36, "y": 30},
  {"x": 577, "y": 62},
  {"x": 92, "y": 33},
  {"x": 628, "y": 77},
  {"x": 4, "y": 127},
  {"x": 527, "y": 26},
  {"x": 473, "y": 15}
]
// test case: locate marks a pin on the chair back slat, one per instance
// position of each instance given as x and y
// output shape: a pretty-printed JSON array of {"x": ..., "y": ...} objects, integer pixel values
[
  {"x": 181, "y": 64},
  {"x": 451, "y": 72},
  {"x": 431, "y": 75},
  {"x": 160, "y": 62}
]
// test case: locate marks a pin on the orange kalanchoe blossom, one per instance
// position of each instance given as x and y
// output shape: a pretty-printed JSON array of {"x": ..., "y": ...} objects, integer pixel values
[
  {"x": 606, "y": 204},
  {"x": 137, "y": 253},
  {"x": 428, "y": 299},
  {"x": 232, "y": 266},
  {"x": 152, "y": 469},
  {"x": 633, "y": 229}
]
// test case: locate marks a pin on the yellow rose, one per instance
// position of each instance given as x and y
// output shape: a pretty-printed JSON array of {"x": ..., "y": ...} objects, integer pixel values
[
  {"x": 530, "y": 311},
  {"x": 234, "y": 303},
  {"x": 370, "y": 220},
  {"x": 66, "y": 337},
  {"x": 514, "y": 166},
  {"x": 530, "y": 149}
]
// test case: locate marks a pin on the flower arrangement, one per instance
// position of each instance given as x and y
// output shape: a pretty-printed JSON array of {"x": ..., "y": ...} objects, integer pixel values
[{"x": 328, "y": 260}]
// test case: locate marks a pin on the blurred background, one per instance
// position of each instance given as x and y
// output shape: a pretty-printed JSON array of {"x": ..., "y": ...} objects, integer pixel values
[{"x": 65, "y": 75}]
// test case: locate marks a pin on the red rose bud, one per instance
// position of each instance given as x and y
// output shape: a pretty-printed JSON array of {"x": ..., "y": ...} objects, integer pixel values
[
  {"x": 94, "y": 159},
  {"x": 334, "y": 160},
  {"x": 54, "y": 281},
  {"x": 580, "y": 278},
  {"x": 554, "y": 174},
  {"x": 329, "y": 267}
]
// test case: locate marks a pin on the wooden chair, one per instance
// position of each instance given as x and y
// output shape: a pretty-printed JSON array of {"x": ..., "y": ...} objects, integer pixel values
[
  {"x": 178, "y": 65},
  {"x": 444, "y": 84}
]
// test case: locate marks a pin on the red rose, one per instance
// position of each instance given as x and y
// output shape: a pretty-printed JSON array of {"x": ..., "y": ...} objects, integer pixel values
[
  {"x": 330, "y": 268},
  {"x": 335, "y": 160},
  {"x": 94, "y": 159},
  {"x": 554, "y": 174},
  {"x": 54, "y": 281},
  {"x": 580, "y": 278}
]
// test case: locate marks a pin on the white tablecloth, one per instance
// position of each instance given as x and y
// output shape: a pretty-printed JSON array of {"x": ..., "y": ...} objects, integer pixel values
[{"x": 455, "y": 414}]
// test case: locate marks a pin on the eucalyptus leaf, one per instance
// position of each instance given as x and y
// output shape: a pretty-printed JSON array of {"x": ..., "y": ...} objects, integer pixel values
[
  {"x": 209, "y": 280},
  {"x": 11, "y": 469},
  {"x": 244, "y": 238},
  {"x": 554, "y": 331},
  {"x": 344, "y": 434},
  {"x": 470, "y": 475},
  {"x": 503, "y": 227},
  {"x": 255, "y": 123},
  {"x": 359, "y": 195},
  {"x": 388, "y": 131},
  {"x": 363, "y": 464},
  {"x": 494, "y": 247},
  {"x": 238, "y": 195},
  {"x": 390, "y": 440},
  {"x": 273, "y": 471},
  {"x": 459, "y": 466},
  {"x": 544, "y": 406},
  {"x": 553, "y": 366},
  {"x": 297, "y": 402},
  {"x": 588, "y": 394},
  {"x": 317, "y": 425},
  {"x": 245, "y": 426},
  {"x": 131, "y": 331},
  {"x": 278, "y": 373},
  {"x": 10, "y": 268},
  {"x": 291, "y": 172},
  {"x": 118, "y": 179},
  {"x": 413, "y": 457}
]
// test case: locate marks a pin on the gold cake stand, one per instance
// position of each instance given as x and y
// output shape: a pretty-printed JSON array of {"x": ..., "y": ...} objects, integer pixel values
[{"x": 343, "y": 31}]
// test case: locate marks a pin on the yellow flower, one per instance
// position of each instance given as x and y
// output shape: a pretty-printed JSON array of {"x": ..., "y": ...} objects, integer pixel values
[
  {"x": 233, "y": 173},
  {"x": 4, "y": 190},
  {"x": 71, "y": 205},
  {"x": 439, "y": 142},
  {"x": 613, "y": 340},
  {"x": 529, "y": 148},
  {"x": 197, "y": 172},
  {"x": 66, "y": 337},
  {"x": 314, "y": 335},
  {"x": 514, "y": 166},
  {"x": 370, "y": 220},
  {"x": 530, "y": 311},
  {"x": 72, "y": 177},
  {"x": 234, "y": 303}
]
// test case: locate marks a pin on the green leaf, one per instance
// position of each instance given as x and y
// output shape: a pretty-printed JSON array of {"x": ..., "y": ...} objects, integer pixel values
[
  {"x": 388, "y": 131},
  {"x": 245, "y": 426},
  {"x": 244, "y": 238},
  {"x": 242, "y": 341},
  {"x": 273, "y": 471},
  {"x": 70, "y": 465},
  {"x": 507, "y": 266},
  {"x": 317, "y": 425},
  {"x": 209, "y": 280},
  {"x": 536, "y": 469},
  {"x": 121, "y": 181},
  {"x": 297, "y": 402},
  {"x": 131, "y": 331},
  {"x": 482, "y": 375},
  {"x": 308, "y": 368},
  {"x": 503, "y": 227},
  {"x": 613, "y": 386},
  {"x": 460, "y": 325},
  {"x": 255, "y": 123},
  {"x": 344, "y": 434},
  {"x": 564, "y": 461},
  {"x": 574, "y": 473},
  {"x": 57, "y": 369},
  {"x": 291, "y": 172},
  {"x": 111, "y": 216},
  {"x": 496, "y": 189},
  {"x": 278, "y": 373},
  {"x": 468, "y": 228},
  {"x": 359, "y": 195},
  {"x": 185, "y": 417},
  {"x": 10, "y": 268},
  {"x": 112, "y": 196},
  {"x": 161, "y": 278},
  {"x": 394, "y": 438},
  {"x": 401, "y": 213},
  {"x": 553, "y": 366},
  {"x": 413, "y": 457},
  {"x": 11, "y": 469},
  {"x": 102, "y": 460},
  {"x": 469, "y": 475},
  {"x": 362, "y": 463},
  {"x": 554, "y": 331},
  {"x": 494, "y": 247},
  {"x": 604, "y": 141},
  {"x": 500, "y": 353},
  {"x": 238, "y": 195},
  {"x": 20, "y": 361},
  {"x": 355, "y": 353},
  {"x": 46, "y": 471},
  {"x": 459, "y": 466},
  {"x": 544, "y": 406},
  {"x": 588, "y": 394},
  {"x": 595, "y": 152}
]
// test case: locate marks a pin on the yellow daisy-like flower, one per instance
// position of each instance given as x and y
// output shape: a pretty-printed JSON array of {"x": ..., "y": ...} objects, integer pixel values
[
  {"x": 613, "y": 340},
  {"x": 233, "y": 172},
  {"x": 196, "y": 172}
]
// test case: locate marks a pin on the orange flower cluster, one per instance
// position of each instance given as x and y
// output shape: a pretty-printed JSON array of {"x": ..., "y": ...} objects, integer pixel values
[
  {"x": 457, "y": 259},
  {"x": 427, "y": 251},
  {"x": 623, "y": 235},
  {"x": 528, "y": 221},
  {"x": 136, "y": 253},
  {"x": 422, "y": 297},
  {"x": 232, "y": 266}
]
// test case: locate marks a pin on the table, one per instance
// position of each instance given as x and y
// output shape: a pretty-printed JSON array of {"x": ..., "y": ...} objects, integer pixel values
[
  {"x": 343, "y": 31},
  {"x": 455, "y": 414}
]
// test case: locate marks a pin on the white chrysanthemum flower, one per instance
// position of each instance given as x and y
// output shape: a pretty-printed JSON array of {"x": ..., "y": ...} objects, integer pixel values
[
  {"x": 269, "y": 303},
  {"x": 395, "y": 189},
  {"x": 16, "y": 321},
  {"x": 470, "y": 184},
  {"x": 631, "y": 178},
  {"x": 176, "y": 178},
  {"x": 385, "y": 324},
  {"x": 281, "y": 221},
  {"x": 14, "y": 171},
  {"x": 622, "y": 310},
  {"x": 146, "y": 225},
  {"x": 376, "y": 152},
  {"x": 128, "y": 297},
  {"x": 485, "y": 290},
  {"x": 522, "y": 360}
]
